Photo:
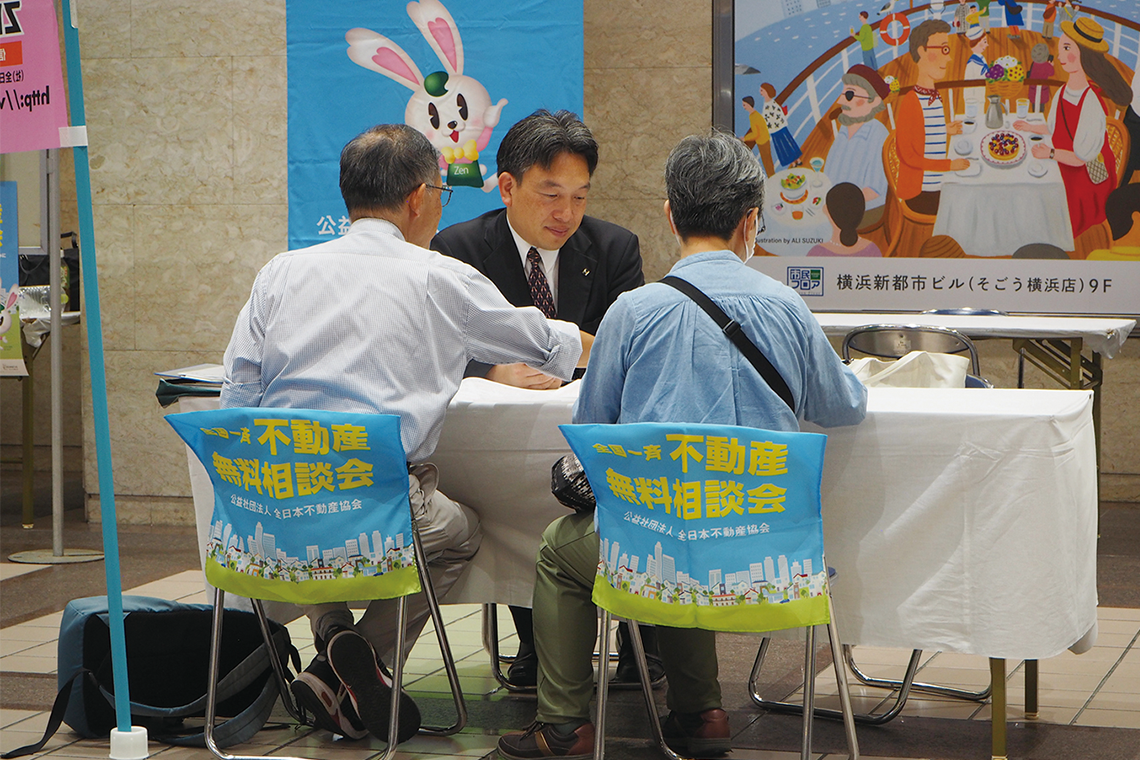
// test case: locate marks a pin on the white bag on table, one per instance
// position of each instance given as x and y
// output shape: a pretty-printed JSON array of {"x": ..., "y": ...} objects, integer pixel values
[{"x": 918, "y": 369}]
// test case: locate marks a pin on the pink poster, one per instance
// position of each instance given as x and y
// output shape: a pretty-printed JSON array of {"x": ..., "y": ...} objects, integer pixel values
[{"x": 33, "y": 103}]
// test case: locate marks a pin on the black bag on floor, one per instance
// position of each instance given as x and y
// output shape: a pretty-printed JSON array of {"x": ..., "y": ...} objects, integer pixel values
[{"x": 168, "y": 654}]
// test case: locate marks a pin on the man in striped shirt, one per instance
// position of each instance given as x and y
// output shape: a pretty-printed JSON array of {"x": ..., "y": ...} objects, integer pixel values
[{"x": 922, "y": 128}]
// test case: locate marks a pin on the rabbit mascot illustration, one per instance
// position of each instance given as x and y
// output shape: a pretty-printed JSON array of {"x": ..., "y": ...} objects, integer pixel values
[
  {"x": 454, "y": 111},
  {"x": 7, "y": 318}
]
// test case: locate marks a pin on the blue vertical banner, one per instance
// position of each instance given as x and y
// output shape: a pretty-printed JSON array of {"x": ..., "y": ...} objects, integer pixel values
[
  {"x": 11, "y": 352},
  {"x": 460, "y": 71},
  {"x": 309, "y": 506},
  {"x": 707, "y": 526}
]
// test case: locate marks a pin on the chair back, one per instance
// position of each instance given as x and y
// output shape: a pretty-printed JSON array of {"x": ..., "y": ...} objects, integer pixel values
[
  {"x": 896, "y": 341},
  {"x": 707, "y": 526},
  {"x": 309, "y": 506}
]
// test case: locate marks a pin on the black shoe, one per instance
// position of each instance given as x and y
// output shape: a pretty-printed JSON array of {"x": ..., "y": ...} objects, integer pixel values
[
  {"x": 704, "y": 734},
  {"x": 523, "y": 672},
  {"x": 369, "y": 686},
  {"x": 541, "y": 740},
  {"x": 319, "y": 692},
  {"x": 626, "y": 676}
]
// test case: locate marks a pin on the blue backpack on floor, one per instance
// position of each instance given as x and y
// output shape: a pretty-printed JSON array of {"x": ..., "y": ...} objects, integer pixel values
[{"x": 168, "y": 650}]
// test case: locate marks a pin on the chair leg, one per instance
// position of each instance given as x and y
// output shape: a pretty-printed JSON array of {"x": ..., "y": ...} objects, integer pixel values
[
  {"x": 491, "y": 644},
  {"x": 397, "y": 675},
  {"x": 870, "y": 719},
  {"x": 841, "y": 681},
  {"x": 275, "y": 661},
  {"x": 929, "y": 688},
  {"x": 212, "y": 686},
  {"x": 646, "y": 688},
  {"x": 444, "y": 648},
  {"x": 603, "y": 689},
  {"x": 809, "y": 693}
]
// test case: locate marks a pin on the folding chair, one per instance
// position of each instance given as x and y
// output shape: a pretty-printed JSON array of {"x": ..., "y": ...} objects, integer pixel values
[
  {"x": 738, "y": 507},
  {"x": 896, "y": 341},
  {"x": 311, "y": 507}
]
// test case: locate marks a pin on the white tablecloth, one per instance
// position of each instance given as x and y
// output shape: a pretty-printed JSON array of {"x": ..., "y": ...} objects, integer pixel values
[
  {"x": 1101, "y": 335},
  {"x": 961, "y": 520},
  {"x": 1000, "y": 209}
]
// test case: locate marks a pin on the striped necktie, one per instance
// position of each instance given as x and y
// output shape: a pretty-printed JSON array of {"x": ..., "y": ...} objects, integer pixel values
[{"x": 539, "y": 288}]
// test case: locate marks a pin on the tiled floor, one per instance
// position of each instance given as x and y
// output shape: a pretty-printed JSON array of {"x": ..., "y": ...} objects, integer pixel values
[{"x": 1098, "y": 688}]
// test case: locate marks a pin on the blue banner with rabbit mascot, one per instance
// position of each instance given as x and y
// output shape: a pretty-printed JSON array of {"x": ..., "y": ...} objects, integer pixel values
[{"x": 460, "y": 71}]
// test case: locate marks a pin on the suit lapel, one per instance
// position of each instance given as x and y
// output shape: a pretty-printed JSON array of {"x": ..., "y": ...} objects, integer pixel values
[
  {"x": 502, "y": 265},
  {"x": 576, "y": 264}
]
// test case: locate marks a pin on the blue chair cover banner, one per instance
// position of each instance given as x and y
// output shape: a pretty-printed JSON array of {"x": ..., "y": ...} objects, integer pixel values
[
  {"x": 309, "y": 506},
  {"x": 707, "y": 526}
]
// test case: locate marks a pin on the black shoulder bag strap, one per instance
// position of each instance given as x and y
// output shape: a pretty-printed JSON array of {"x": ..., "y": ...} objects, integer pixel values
[{"x": 731, "y": 328}]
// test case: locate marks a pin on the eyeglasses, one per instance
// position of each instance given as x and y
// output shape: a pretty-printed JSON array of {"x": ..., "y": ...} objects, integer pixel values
[
  {"x": 850, "y": 95},
  {"x": 945, "y": 49},
  {"x": 444, "y": 193}
]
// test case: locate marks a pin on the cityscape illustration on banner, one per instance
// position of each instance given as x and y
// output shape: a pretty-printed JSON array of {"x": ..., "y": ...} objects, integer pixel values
[
  {"x": 945, "y": 153},
  {"x": 303, "y": 496},
  {"x": 448, "y": 68},
  {"x": 701, "y": 522}
]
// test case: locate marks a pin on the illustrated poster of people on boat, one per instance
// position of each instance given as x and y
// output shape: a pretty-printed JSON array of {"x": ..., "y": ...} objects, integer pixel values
[{"x": 909, "y": 141}]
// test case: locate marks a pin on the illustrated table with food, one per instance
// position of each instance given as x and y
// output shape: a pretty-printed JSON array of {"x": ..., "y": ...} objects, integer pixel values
[
  {"x": 1007, "y": 198},
  {"x": 795, "y": 216}
]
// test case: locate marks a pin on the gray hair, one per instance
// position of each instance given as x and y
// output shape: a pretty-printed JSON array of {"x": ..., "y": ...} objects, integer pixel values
[
  {"x": 380, "y": 167},
  {"x": 712, "y": 181},
  {"x": 542, "y": 137},
  {"x": 859, "y": 81}
]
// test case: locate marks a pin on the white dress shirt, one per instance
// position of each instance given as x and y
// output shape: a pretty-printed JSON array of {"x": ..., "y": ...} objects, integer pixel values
[{"x": 371, "y": 323}]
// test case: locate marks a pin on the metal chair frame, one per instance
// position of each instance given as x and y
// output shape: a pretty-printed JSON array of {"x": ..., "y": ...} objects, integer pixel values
[
  {"x": 901, "y": 339},
  {"x": 397, "y": 667},
  {"x": 807, "y": 709},
  {"x": 904, "y": 687},
  {"x": 490, "y": 633}
]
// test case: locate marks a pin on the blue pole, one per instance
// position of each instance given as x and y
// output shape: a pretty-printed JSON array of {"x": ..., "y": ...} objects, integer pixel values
[{"x": 94, "y": 324}]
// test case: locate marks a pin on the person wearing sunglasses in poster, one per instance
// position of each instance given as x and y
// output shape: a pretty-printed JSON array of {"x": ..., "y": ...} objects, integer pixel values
[{"x": 856, "y": 154}]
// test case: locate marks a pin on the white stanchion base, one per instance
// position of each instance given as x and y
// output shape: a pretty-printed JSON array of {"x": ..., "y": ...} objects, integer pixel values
[{"x": 129, "y": 745}]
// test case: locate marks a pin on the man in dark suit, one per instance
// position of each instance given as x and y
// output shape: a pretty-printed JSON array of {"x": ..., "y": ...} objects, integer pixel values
[{"x": 542, "y": 250}]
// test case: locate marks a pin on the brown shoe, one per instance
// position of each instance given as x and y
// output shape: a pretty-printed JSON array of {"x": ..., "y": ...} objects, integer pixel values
[
  {"x": 704, "y": 734},
  {"x": 541, "y": 740}
]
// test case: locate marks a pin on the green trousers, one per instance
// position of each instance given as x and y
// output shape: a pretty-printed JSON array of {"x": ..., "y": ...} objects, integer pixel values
[{"x": 566, "y": 627}]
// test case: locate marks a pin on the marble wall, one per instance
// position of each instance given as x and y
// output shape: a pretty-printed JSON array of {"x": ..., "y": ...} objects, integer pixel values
[{"x": 186, "y": 109}]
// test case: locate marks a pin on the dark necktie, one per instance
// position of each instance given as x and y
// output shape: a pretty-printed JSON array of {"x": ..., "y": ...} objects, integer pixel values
[{"x": 539, "y": 288}]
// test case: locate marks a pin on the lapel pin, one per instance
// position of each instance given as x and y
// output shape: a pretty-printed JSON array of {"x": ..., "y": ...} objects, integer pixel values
[{"x": 585, "y": 272}]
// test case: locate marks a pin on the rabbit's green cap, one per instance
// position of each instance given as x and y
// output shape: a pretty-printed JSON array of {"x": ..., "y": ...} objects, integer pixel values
[{"x": 436, "y": 84}]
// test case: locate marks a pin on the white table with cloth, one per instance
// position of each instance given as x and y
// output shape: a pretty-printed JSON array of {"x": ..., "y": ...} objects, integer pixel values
[
  {"x": 1055, "y": 345},
  {"x": 960, "y": 520},
  {"x": 995, "y": 211}
]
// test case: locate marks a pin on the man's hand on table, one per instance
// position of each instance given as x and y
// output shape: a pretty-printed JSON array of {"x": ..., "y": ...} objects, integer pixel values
[{"x": 522, "y": 376}]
